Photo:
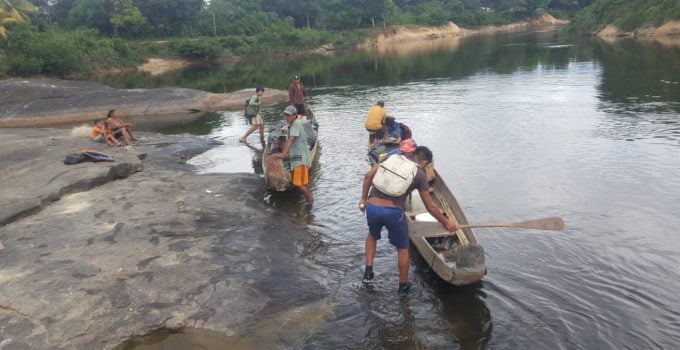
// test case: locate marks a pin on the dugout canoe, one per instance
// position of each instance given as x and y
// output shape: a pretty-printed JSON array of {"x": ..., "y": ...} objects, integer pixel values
[
  {"x": 277, "y": 171},
  {"x": 456, "y": 257}
]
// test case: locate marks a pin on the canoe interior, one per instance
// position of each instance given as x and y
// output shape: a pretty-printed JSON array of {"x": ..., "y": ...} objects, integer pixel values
[{"x": 456, "y": 262}]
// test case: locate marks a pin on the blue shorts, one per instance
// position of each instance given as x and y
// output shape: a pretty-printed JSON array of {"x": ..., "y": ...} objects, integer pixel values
[
  {"x": 118, "y": 133},
  {"x": 392, "y": 218}
]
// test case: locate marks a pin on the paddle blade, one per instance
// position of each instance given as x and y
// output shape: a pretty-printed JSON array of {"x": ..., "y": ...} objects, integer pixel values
[{"x": 552, "y": 224}]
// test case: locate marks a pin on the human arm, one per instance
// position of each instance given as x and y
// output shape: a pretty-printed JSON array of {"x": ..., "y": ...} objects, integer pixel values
[
  {"x": 435, "y": 211},
  {"x": 366, "y": 186}
]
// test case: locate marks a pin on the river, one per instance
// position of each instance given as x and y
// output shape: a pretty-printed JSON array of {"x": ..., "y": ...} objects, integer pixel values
[{"x": 522, "y": 126}]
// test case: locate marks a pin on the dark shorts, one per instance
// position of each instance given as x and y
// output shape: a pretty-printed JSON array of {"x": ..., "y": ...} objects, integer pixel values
[
  {"x": 118, "y": 133},
  {"x": 392, "y": 218},
  {"x": 300, "y": 109}
]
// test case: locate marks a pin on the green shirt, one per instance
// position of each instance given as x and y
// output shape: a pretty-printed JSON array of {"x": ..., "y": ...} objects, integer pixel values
[
  {"x": 299, "y": 151},
  {"x": 253, "y": 107}
]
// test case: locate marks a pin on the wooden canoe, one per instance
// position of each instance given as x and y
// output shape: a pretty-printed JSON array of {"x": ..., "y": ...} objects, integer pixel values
[
  {"x": 277, "y": 171},
  {"x": 455, "y": 257}
]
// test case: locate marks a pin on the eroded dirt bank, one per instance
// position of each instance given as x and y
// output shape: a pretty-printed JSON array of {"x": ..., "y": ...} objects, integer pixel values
[{"x": 667, "y": 34}]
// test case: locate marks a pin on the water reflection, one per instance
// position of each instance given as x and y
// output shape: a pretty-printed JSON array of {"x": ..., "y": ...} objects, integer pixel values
[{"x": 521, "y": 126}]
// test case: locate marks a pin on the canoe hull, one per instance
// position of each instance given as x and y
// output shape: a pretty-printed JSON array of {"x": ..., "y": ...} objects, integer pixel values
[{"x": 455, "y": 257}]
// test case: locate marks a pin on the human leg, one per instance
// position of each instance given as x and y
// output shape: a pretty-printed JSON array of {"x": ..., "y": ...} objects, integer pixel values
[
  {"x": 128, "y": 129},
  {"x": 250, "y": 131},
  {"x": 402, "y": 263},
  {"x": 122, "y": 133},
  {"x": 397, "y": 228},
  {"x": 262, "y": 134},
  {"x": 308, "y": 194},
  {"x": 369, "y": 249},
  {"x": 300, "y": 179}
]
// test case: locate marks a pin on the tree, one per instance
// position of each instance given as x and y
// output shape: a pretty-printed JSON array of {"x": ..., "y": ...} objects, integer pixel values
[
  {"x": 92, "y": 14},
  {"x": 127, "y": 16},
  {"x": 13, "y": 12},
  {"x": 171, "y": 17}
]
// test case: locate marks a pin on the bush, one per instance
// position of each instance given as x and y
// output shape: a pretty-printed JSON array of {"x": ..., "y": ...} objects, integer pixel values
[
  {"x": 24, "y": 66},
  {"x": 61, "y": 52},
  {"x": 202, "y": 48}
]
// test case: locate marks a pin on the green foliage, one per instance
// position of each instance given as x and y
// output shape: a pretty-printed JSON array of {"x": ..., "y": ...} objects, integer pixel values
[
  {"x": 61, "y": 53},
  {"x": 13, "y": 12},
  {"x": 200, "y": 48},
  {"x": 628, "y": 15},
  {"x": 126, "y": 17}
]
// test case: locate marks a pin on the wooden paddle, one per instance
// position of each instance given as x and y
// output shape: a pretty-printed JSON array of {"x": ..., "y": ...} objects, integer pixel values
[{"x": 552, "y": 224}]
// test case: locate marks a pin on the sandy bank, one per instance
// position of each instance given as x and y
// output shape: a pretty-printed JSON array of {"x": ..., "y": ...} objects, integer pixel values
[
  {"x": 407, "y": 34},
  {"x": 667, "y": 34}
]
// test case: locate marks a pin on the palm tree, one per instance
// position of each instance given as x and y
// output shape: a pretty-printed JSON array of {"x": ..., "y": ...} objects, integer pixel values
[{"x": 13, "y": 12}]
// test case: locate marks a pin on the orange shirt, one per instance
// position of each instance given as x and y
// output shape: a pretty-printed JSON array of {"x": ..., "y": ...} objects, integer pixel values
[
  {"x": 97, "y": 130},
  {"x": 375, "y": 118}
]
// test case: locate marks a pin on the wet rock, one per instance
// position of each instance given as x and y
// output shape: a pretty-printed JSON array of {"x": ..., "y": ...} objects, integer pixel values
[
  {"x": 94, "y": 257},
  {"x": 50, "y": 102}
]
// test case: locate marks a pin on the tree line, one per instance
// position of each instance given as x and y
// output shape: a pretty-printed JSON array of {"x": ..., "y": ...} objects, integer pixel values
[
  {"x": 63, "y": 37},
  {"x": 161, "y": 18}
]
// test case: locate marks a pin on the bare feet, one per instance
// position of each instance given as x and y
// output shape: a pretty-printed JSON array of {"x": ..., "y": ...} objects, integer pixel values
[{"x": 242, "y": 140}]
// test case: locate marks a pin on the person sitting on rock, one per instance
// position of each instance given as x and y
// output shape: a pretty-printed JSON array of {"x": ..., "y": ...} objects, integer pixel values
[
  {"x": 101, "y": 133},
  {"x": 121, "y": 128}
]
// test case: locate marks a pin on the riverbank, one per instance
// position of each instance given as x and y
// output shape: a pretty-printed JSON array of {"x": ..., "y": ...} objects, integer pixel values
[
  {"x": 95, "y": 254},
  {"x": 667, "y": 34},
  {"x": 53, "y": 102},
  {"x": 391, "y": 35}
]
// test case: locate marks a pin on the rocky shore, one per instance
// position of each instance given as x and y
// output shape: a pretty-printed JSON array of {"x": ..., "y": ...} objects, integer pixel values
[
  {"x": 95, "y": 254},
  {"x": 53, "y": 102}
]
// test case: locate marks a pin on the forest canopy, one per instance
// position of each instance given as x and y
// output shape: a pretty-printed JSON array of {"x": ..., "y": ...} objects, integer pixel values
[{"x": 160, "y": 18}]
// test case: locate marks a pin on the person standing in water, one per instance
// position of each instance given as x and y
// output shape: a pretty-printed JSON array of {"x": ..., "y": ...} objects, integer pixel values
[
  {"x": 297, "y": 150},
  {"x": 254, "y": 115},
  {"x": 296, "y": 95},
  {"x": 387, "y": 209}
]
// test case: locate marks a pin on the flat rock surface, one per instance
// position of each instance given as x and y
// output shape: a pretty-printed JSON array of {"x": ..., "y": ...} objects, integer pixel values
[
  {"x": 50, "y": 102},
  {"x": 94, "y": 254}
]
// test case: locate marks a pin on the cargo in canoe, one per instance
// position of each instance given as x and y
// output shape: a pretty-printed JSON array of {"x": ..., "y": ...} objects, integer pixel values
[
  {"x": 277, "y": 171},
  {"x": 455, "y": 257}
]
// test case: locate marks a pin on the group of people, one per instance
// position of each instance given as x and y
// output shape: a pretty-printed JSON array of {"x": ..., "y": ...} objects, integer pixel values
[
  {"x": 388, "y": 184},
  {"x": 383, "y": 129},
  {"x": 112, "y": 129},
  {"x": 295, "y": 148},
  {"x": 296, "y": 98}
]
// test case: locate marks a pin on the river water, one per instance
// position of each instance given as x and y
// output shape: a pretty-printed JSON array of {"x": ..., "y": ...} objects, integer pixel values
[{"x": 522, "y": 126}]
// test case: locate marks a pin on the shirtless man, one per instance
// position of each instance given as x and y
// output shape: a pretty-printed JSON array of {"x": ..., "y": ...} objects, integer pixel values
[{"x": 120, "y": 127}]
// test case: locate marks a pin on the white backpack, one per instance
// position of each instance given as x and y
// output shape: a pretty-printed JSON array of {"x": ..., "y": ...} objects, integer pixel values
[{"x": 395, "y": 175}]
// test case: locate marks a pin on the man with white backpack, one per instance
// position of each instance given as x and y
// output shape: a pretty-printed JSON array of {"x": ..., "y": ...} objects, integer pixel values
[{"x": 390, "y": 183}]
